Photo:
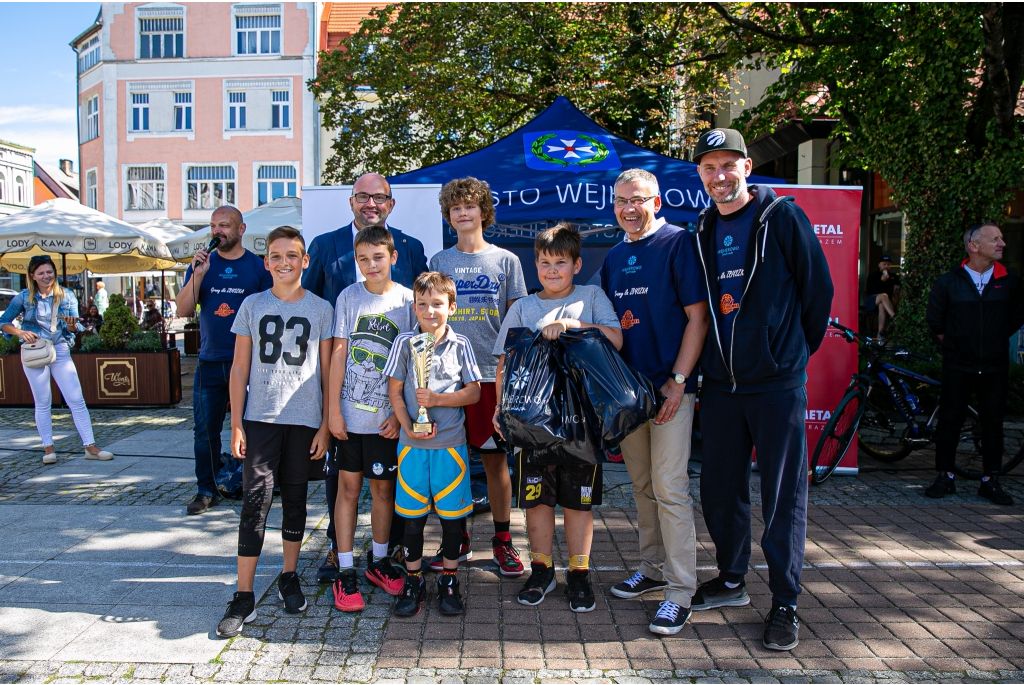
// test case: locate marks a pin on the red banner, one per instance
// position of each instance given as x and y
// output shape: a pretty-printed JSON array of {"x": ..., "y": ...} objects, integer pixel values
[{"x": 834, "y": 212}]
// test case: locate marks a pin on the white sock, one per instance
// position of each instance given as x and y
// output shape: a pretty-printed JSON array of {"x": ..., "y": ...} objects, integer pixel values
[
  {"x": 380, "y": 550},
  {"x": 732, "y": 586},
  {"x": 345, "y": 560}
]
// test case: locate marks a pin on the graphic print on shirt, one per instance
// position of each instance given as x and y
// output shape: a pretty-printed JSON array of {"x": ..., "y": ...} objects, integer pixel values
[
  {"x": 273, "y": 345},
  {"x": 477, "y": 289},
  {"x": 729, "y": 279},
  {"x": 369, "y": 346}
]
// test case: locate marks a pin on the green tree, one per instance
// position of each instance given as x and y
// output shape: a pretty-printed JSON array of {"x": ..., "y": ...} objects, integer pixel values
[
  {"x": 422, "y": 83},
  {"x": 925, "y": 95},
  {"x": 119, "y": 324}
]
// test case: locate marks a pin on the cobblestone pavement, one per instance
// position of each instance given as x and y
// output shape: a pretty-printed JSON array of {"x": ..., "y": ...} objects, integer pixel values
[{"x": 896, "y": 589}]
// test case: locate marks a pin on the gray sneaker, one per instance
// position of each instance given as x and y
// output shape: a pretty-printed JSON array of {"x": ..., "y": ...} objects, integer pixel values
[{"x": 714, "y": 594}]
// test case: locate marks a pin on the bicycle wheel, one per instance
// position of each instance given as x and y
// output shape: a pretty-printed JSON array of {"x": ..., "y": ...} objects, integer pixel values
[
  {"x": 837, "y": 435},
  {"x": 968, "y": 462},
  {"x": 882, "y": 426}
]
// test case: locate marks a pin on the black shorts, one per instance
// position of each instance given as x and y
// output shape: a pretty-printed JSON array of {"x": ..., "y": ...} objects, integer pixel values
[
  {"x": 571, "y": 486},
  {"x": 277, "y": 454},
  {"x": 368, "y": 453}
]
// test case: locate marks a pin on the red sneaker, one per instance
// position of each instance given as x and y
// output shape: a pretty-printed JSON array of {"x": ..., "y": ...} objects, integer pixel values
[
  {"x": 383, "y": 575},
  {"x": 506, "y": 556},
  {"x": 346, "y": 592},
  {"x": 465, "y": 554}
]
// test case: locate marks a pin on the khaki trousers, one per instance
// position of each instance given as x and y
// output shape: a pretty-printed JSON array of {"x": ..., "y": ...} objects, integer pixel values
[{"x": 656, "y": 458}]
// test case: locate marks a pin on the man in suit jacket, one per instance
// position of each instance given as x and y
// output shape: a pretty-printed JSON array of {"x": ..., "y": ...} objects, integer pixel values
[{"x": 332, "y": 268}]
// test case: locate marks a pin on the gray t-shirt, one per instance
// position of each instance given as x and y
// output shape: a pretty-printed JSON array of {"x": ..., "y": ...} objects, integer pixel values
[
  {"x": 586, "y": 303},
  {"x": 284, "y": 379},
  {"x": 452, "y": 367},
  {"x": 485, "y": 282},
  {"x": 370, "y": 323}
]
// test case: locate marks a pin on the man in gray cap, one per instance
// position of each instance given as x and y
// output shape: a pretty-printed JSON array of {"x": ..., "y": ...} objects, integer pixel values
[{"x": 770, "y": 292}]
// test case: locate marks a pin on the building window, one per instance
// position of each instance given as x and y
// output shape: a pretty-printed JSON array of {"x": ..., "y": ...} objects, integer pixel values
[
  {"x": 91, "y": 189},
  {"x": 274, "y": 181},
  {"x": 236, "y": 111},
  {"x": 3, "y": 188},
  {"x": 279, "y": 110},
  {"x": 19, "y": 189},
  {"x": 183, "y": 111},
  {"x": 88, "y": 54},
  {"x": 92, "y": 118},
  {"x": 258, "y": 35},
  {"x": 145, "y": 187},
  {"x": 140, "y": 111},
  {"x": 161, "y": 38},
  {"x": 210, "y": 187}
]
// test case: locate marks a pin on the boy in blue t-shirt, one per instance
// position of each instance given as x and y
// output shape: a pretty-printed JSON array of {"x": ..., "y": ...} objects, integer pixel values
[{"x": 217, "y": 282}]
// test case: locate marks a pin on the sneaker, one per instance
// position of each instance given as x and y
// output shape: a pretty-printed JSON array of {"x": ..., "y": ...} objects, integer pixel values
[
  {"x": 992, "y": 491},
  {"x": 540, "y": 583},
  {"x": 289, "y": 591},
  {"x": 328, "y": 571},
  {"x": 943, "y": 485},
  {"x": 241, "y": 610},
  {"x": 346, "y": 592},
  {"x": 506, "y": 556},
  {"x": 636, "y": 585},
  {"x": 449, "y": 600},
  {"x": 50, "y": 458},
  {"x": 397, "y": 556},
  {"x": 579, "y": 592},
  {"x": 383, "y": 575},
  {"x": 714, "y": 593},
  {"x": 781, "y": 628},
  {"x": 411, "y": 600},
  {"x": 465, "y": 554},
  {"x": 670, "y": 618},
  {"x": 102, "y": 455},
  {"x": 200, "y": 505}
]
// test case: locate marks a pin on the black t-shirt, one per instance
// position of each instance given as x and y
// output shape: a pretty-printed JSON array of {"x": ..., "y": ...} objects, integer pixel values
[{"x": 876, "y": 285}]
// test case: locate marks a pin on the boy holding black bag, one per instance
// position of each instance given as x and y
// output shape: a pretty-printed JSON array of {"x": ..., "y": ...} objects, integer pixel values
[{"x": 574, "y": 486}]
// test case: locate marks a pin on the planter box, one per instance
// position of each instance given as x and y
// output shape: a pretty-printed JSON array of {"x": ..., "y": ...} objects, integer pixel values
[{"x": 109, "y": 379}]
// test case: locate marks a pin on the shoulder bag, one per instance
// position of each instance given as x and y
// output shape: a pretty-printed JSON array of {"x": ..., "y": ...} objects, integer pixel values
[{"x": 36, "y": 355}]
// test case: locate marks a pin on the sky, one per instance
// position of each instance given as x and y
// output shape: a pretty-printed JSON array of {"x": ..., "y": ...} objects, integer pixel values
[{"x": 38, "y": 102}]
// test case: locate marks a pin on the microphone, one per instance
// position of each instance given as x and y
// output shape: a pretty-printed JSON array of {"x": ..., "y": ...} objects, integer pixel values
[{"x": 214, "y": 242}]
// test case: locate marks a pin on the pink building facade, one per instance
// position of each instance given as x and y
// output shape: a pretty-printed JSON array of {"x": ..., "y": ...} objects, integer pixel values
[{"x": 184, "y": 107}]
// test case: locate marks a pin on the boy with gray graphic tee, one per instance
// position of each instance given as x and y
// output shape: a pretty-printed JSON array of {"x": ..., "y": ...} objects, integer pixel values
[
  {"x": 368, "y": 318},
  {"x": 488, "y": 280},
  {"x": 282, "y": 353}
]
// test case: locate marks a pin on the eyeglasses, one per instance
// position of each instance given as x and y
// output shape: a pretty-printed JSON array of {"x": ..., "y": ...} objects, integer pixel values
[
  {"x": 360, "y": 355},
  {"x": 40, "y": 258},
  {"x": 378, "y": 198},
  {"x": 635, "y": 201}
]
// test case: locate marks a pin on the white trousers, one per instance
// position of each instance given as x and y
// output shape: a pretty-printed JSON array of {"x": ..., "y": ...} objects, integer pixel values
[{"x": 66, "y": 376}]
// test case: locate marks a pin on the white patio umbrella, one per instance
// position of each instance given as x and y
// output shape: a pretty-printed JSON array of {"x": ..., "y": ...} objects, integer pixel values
[
  {"x": 79, "y": 238},
  {"x": 164, "y": 230},
  {"x": 259, "y": 222}
]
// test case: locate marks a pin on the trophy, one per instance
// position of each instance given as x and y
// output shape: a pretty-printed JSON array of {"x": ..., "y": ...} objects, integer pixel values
[{"x": 422, "y": 349}]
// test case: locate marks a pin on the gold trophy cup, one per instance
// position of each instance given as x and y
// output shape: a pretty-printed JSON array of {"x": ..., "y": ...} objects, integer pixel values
[{"x": 422, "y": 349}]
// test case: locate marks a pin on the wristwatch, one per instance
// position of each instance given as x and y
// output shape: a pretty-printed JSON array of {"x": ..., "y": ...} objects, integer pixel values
[{"x": 679, "y": 378}]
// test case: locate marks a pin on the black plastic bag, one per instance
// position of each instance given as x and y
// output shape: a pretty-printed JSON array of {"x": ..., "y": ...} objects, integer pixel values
[
  {"x": 530, "y": 414},
  {"x": 580, "y": 443},
  {"x": 618, "y": 399}
]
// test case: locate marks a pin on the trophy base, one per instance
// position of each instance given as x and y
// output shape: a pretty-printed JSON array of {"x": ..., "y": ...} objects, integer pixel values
[{"x": 423, "y": 428}]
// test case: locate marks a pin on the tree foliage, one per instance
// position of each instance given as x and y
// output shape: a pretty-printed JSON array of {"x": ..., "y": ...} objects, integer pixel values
[
  {"x": 119, "y": 324},
  {"x": 445, "y": 79},
  {"x": 925, "y": 94}
]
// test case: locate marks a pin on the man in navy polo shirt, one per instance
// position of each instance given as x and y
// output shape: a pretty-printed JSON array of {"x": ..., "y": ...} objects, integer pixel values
[
  {"x": 218, "y": 282},
  {"x": 654, "y": 280}
]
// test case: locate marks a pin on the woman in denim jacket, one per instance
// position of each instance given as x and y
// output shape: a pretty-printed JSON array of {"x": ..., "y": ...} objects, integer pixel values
[{"x": 35, "y": 305}]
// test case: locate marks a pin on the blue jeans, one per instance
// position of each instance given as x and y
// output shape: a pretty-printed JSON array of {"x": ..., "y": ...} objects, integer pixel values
[{"x": 209, "y": 406}]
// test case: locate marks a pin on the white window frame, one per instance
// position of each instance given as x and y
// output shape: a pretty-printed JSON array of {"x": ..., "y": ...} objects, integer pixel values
[
  {"x": 236, "y": 110},
  {"x": 139, "y": 119},
  {"x": 161, "y": 11},
  {"x": 280, "y": 109},
  {"x": 256, "y": 180},
  {"x": 89, "y": 54},
  {"x": 157, "y": 193},
  {"x": 257, "y": 10},
  {"x": 91, "y": 129},
  {"x": 148, "y": 88},
  {"x": 20, "y": 194},
  {"x": 92, "y": 196},
  {"x": 250, "y": 86},
  {"x": 211, "y": 183},
  {"x": 3, "y": 186},
  {"x": 183, "y": 112}
]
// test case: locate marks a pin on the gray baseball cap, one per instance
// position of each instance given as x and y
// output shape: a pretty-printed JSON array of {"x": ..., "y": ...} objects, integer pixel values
[{"x": 720, "y": 139}]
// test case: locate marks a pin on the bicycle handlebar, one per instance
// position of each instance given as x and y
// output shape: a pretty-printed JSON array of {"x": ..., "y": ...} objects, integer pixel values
[{"x": 854, "y": 336}]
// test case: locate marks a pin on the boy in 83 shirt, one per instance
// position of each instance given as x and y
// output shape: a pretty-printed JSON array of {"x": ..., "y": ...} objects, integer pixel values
[{"x": 282, "y": 357}]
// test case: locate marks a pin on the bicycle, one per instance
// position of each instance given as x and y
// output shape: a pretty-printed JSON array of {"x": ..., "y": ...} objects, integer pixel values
[{"x": 885, "y": 412}]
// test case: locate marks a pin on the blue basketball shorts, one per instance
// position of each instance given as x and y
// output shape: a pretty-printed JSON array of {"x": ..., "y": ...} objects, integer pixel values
[{"x": 433, "y": 479}]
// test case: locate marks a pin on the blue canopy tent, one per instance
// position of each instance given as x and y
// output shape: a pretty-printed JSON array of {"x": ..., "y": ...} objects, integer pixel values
[{"x": 562, "y": 166}]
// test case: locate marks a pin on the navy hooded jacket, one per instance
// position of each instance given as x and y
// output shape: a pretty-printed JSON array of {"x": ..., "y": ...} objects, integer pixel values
[{"x": 785, "y": 305}]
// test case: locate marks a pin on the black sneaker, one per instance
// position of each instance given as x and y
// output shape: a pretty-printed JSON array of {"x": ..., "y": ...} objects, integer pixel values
[
  {"x": 670, "y": 618},
  {"x": 413, "y": 593},
  {"x": 397, "y": 555},
  {"x": 636, "y": 585},
  {"x": 289, "y": 591},
  {"x": 449, "y": 600},
  {"x": 781, "y": 628},
  {"x": 540, "y": 583},
  {"x": 943, "y": 485},
  {"x": 384, "y": 575},
  {"x": 579, "y": 592},
  {"x": 714, "y": 594},
  {"x": 992, "y": 491},
  {"x": 241, "y": 610},
  {"x": 200, "y": 505},
  {"x": 329, "y": 569}
]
